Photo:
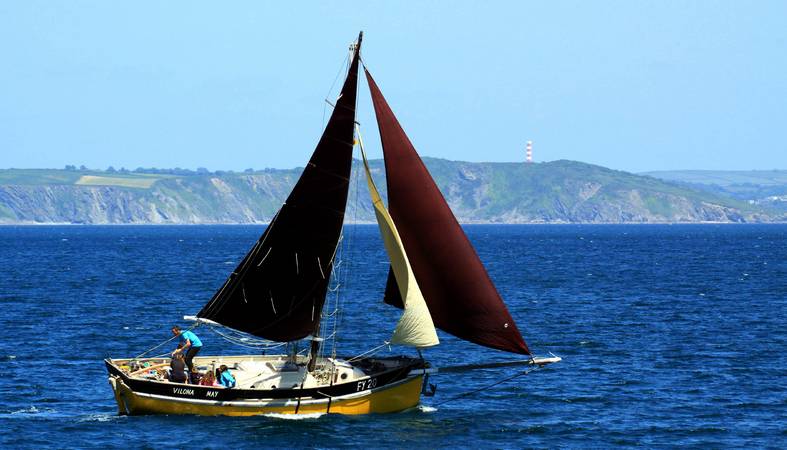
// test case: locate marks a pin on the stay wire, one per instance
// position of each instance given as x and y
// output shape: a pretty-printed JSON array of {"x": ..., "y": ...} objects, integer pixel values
[
  {"x": 465, "y": 394},
  {"x": 349, "y": 251},
  {"x": 344, "y": 66},
  {"x": 370, "y": 351},
  {"x": 247, "y": 342},
  {"x": 159, "y": 345}
]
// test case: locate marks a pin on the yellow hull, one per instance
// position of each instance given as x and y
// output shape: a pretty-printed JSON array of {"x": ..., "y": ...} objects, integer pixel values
[{"x": 386, "y": 399}]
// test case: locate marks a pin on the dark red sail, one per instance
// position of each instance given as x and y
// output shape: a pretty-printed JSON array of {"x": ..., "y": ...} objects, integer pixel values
[
  {"x": 461, "y": 297},
  {"x": 278, "y": 290}
]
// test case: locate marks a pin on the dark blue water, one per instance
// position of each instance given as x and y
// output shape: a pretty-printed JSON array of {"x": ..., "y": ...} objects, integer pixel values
[{"x": 671, "y": 335}]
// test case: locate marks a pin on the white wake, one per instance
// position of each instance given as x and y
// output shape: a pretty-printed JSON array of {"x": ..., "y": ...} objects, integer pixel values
[{"x": 308, "y": 416}]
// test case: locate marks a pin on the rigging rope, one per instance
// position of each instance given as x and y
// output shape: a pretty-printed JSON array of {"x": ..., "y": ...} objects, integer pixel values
[
  {"x": 372, "y": 351},
  {"x": 248, "y": 342},
  {"x": 465, "y": 394},
  {"x": 159, "y": 345},
  {"x": 343, "y": 274},
  {"x": 344, "y": 67}
]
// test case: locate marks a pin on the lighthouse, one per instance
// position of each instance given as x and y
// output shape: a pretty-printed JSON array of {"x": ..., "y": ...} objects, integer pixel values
[{"x": 529, "y": 152}]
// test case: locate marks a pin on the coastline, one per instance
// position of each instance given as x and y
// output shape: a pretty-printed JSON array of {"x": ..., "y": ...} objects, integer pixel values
[{"x": 147, "y": 224}]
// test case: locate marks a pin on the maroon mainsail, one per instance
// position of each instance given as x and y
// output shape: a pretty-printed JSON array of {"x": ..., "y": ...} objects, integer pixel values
[
  {"x": 461, "y": 297},
  {"x": 277, "y": 292}
]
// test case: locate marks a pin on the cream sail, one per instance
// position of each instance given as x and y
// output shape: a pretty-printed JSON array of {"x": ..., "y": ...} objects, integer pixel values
[{"x": 415, "y": 328}]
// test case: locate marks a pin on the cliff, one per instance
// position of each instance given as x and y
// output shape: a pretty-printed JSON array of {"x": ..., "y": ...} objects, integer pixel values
[{"x": 553, "y": 192}]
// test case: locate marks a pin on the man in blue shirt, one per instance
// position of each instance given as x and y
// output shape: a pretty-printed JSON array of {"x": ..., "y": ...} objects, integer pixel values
[{"x": 190, "y": 345}]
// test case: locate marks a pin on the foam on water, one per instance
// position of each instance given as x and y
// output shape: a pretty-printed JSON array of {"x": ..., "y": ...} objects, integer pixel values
[
  {"x": 33, "y": 411},
  {"x": 101, "y": 418},
  {"x": 310, "y": 416},
  {"x": 30, "y": 410}
]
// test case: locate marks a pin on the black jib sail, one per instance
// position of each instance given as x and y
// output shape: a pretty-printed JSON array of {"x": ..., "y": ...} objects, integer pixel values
[{"x": 278, "y": 290}]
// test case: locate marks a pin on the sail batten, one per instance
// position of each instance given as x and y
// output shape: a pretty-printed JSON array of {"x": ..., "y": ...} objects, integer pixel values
[
  {"x": 274, "y": 293},
  {"x": 460, "y": 295}
]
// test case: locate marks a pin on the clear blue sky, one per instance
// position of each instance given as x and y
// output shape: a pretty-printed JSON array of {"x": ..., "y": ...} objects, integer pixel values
[{"x": 229, "y": 85}]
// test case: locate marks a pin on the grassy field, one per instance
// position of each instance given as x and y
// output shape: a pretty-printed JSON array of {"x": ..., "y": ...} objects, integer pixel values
[
  {"x": 29, "y": 177},
  {"x": 141, "y": 182}
]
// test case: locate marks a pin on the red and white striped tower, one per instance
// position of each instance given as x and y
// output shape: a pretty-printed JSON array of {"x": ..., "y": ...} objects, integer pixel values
[{"x": 529, "y": 151}]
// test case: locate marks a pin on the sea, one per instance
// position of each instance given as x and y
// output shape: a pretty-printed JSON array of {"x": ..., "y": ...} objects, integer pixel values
[{"x": 671, "y": 336}]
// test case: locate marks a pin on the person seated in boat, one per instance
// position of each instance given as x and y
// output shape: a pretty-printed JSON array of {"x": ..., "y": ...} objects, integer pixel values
[
  {"x": 209, "y": 379},
  {"x": 226, "y": 379},
  {"x": 191, "y": 345},
  {"x": 177, "y": 369},
  {"x": 195, "y": 376},
  {"x": 162, "y": 374}
]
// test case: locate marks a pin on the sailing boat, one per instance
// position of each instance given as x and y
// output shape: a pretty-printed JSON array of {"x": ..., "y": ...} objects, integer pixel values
[{"x": 278, "y": 291}]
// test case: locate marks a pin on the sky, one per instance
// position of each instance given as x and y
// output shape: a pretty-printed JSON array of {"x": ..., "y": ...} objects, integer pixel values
[{"x": 630, "y": 85}]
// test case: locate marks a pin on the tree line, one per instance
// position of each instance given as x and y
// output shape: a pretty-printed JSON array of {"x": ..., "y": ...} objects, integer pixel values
[{"x": 153, "y": 170}]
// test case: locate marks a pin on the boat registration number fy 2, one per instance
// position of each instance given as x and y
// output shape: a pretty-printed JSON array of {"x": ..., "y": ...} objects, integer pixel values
[{"x": 366, "y": 384}]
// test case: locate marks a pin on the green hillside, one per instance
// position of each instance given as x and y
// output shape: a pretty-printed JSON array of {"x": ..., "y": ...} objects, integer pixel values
[
  {"x": 764, "y": 188},
  {"x": 572, "y": 192},
  {"x": 552, "y": 192}
]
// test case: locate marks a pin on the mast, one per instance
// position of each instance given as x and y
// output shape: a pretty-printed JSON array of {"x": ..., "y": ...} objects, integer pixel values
[
  {"x": 278, "y": 290},
  {"x": 317, "y": 340}
]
